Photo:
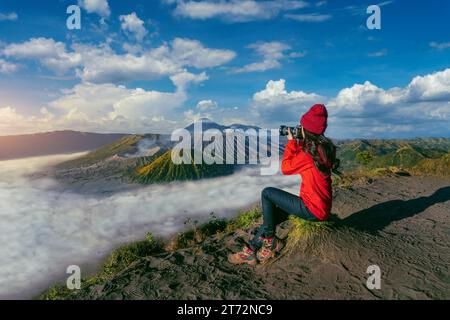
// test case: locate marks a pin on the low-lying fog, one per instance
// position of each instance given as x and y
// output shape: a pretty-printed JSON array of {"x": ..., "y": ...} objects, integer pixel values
[{"x": 43, "y": 230}]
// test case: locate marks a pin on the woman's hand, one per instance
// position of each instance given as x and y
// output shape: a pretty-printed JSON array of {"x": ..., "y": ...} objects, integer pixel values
[{"x": 289, "y": 136}]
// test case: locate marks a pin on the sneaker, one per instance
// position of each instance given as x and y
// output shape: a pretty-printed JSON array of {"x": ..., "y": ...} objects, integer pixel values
[
  {"x": 246, "y": 256},
  {"x": 269, "y": 249}
]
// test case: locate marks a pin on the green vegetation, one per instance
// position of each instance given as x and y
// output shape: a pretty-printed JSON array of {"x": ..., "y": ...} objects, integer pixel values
[
  {"x": 404, "y": 157},
  {"x": 364, "y": 157},
  {"x": 121, "y": 146},
  {"x": 245, "y": 219},
  {"x": 122, "y": 257},
  {"x": 164, "y": 170},
  {"x": 372, "y": 154},
  {"x": 433, "y": 167},
  {"x": 364, "y": 160},
  {"x": 303, "y": 230},
  {"x": 366, "y": 175},
  {"x": 197, "y": 234}
]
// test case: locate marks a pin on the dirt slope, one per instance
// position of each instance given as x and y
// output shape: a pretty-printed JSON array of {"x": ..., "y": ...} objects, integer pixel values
[{"x": 401, "y": 224}]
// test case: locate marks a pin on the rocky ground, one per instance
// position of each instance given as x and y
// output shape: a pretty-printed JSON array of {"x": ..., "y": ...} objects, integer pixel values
[{"x": 401, "y": 224}]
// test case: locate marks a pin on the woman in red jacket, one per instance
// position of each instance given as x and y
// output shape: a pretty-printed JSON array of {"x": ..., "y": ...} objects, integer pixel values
[{"x": 314, "y": 158}]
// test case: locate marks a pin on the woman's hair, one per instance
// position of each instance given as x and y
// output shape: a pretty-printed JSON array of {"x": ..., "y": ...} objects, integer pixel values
[{"x": 323, "y": 152}]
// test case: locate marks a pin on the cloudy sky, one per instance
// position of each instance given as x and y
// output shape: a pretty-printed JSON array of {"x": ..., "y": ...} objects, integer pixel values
[{"x": 152, "y": 66}]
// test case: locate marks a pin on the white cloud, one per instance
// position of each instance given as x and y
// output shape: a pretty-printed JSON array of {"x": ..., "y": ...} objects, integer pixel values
[
  {"x": 100, "y": 64},
  {"x": 205, "y": 105},
  {"x": 271, "y": 53},
  {"x": 308, "y": 17},
  {"x": 275, "y": 94},
  {"x": 275, "y": 103},
  {"x": 191, "y": 116},
  {"x": 8, "y": 16},
  {"x": 377, "y": 54},
  {"x": 364, "y": 99},
  {"x": 270, "y": 50},
  {"x": 204, "y": 109},
  {"x": 112, "y": 108},
  {"x": 192, "y": 53},
  {"x": 9, "y": 118},
  {"x": 362, "y": 110},
  {"x": 440, "y": 45},
  {"x": 422, "y": 107},
  {"x": 235, "y": 10},
  {"x": 258, "y": 67},
  {"x": 103, "y": 108},
  {"x": 97, "y": 103},
  {"x": 226, "y": 115},
  {"x": 8, "y": 67},
  {"x": 13, "y": 122},
  {"x": 100, "y": 7},
  {"x": 107, "y": 107},
  {"x": 183, "y": 79},
  {"x": 131, "y": 23},
  {"x": 50, "y": 53},
  {"x": 368, "y": 99},
  {"x": 432, "y": 87}
]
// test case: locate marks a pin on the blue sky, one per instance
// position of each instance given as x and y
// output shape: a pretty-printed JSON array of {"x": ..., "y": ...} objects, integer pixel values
[{"x": 258, "y": 62}]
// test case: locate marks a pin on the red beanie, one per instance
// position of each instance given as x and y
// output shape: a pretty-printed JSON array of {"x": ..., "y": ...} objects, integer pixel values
[{"x": 315, "y": 120}]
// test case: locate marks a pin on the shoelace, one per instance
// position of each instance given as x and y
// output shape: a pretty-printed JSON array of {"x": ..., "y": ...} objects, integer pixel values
[{"x": 247, "y": 252}]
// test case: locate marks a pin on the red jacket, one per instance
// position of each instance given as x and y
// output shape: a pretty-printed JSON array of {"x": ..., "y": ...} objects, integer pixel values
[{"x": 315, "y": 190}]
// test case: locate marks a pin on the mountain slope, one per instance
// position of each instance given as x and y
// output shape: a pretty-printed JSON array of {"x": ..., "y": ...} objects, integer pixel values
[
  {"x": 118, "y": 147},
  {"x": 433, "y": 167},
  {"x": 400, "y": 153},
  {"x": 131, "y": 146},
  {"x": 40, "y": 144},
  {"x": 164, "y": 170}
]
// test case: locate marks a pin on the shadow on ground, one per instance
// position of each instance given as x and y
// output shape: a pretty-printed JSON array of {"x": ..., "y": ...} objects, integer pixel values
[{"x": 379, "y": 216}]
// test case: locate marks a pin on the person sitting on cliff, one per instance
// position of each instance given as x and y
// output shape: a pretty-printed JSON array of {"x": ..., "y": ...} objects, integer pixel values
[{"x": 313, "y": 156}]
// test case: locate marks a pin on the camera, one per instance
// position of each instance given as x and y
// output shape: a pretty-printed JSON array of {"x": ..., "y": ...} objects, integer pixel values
[{"x": 296, "y": 131}]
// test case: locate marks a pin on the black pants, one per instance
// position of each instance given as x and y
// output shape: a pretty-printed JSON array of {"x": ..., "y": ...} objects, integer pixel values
[{"x": 277, "y": 205}]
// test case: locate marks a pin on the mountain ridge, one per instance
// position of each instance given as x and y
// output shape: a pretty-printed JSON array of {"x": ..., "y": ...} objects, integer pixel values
[{"x": 50, "y": 143}]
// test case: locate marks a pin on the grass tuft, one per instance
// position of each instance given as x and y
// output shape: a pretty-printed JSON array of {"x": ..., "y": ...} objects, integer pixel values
[
  {"x": 245, "y": 219},
  {"x": 197, "y": 234},
  {"x": 303, "y": 230},
  {"x": 122, "y": 257}
]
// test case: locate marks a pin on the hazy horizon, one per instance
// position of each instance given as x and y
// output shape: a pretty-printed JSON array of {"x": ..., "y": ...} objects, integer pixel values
[{"x": 163, "y": 133}]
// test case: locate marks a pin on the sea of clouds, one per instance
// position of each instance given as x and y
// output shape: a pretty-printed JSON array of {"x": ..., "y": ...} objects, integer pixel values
[{"x": 44, "y": 229}]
